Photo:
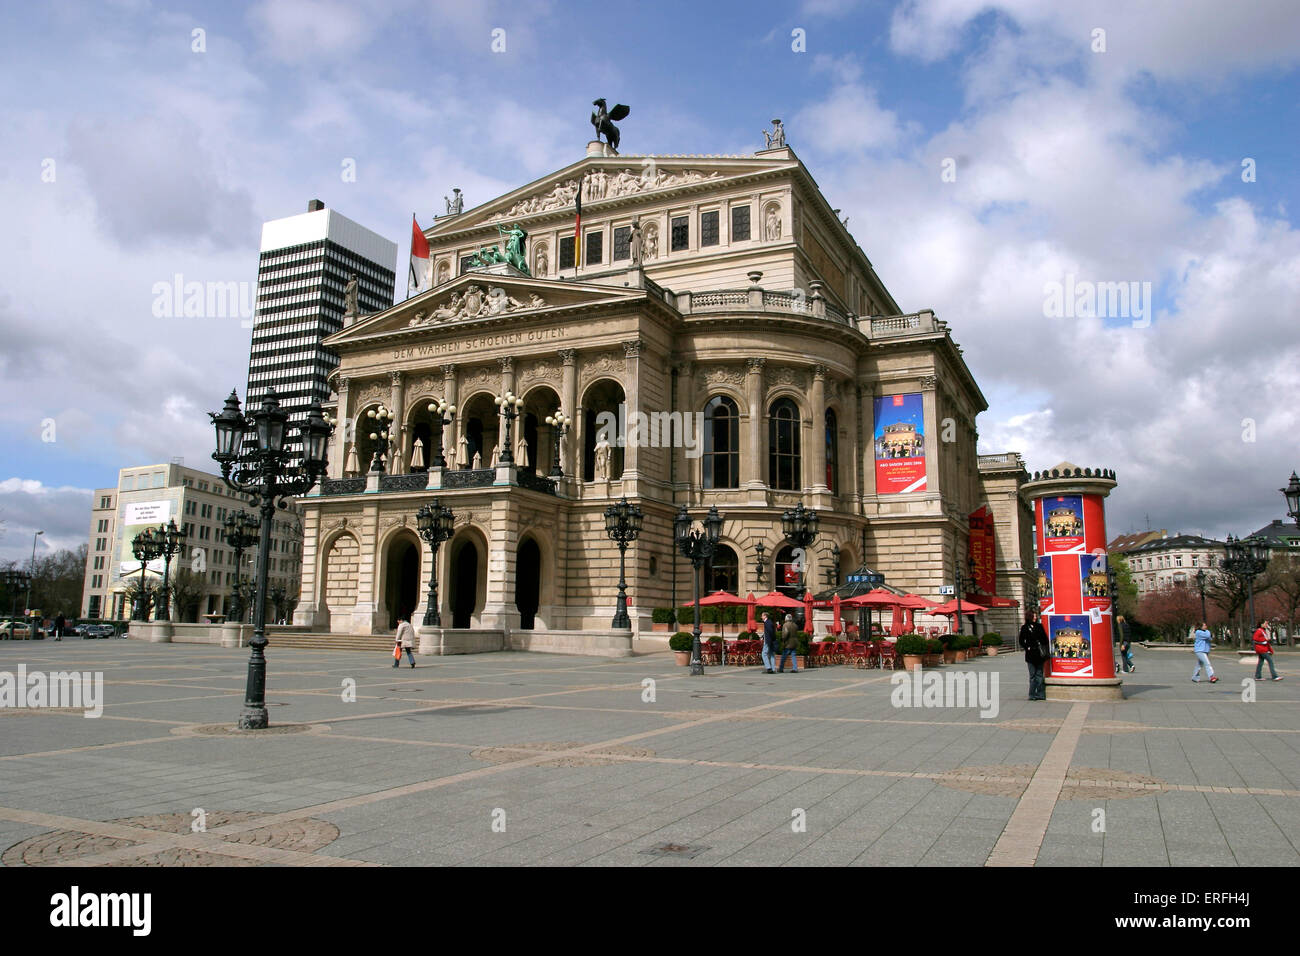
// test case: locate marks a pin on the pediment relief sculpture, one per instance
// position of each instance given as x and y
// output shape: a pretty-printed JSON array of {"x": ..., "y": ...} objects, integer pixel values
[
  {"x": 474, "y": 303},
  {"x": 599, "y": 184}
]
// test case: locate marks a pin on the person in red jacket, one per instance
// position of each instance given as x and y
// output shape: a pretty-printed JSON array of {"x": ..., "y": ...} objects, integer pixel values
[{"x": 1263, "y": 652}]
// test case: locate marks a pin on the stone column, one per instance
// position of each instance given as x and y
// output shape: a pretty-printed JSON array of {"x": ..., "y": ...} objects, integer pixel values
[
  {"x": 752, "y": 461},
  {"x": 929, "y": 402},
  {"x": 867, "y": 451},
  {"x": 683, "y": 468},
  {"x": 345, "y": 432},
  {"x": 569, "y": 402},
  {"x": 397, "y": 431},
  {"x": 634, "y": 426},
  {"x": 817, "y": 400},
  {"x": 850, "y": 456}
]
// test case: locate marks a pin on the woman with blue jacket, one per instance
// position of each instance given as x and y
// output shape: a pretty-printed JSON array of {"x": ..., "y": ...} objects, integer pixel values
[{"x": 1202, "y": 650}]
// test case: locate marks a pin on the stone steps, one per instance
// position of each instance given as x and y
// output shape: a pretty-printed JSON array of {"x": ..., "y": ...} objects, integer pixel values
[{"x": 374, "y": 643}]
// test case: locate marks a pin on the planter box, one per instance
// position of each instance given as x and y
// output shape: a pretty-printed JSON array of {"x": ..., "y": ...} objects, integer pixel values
[
  {"x": 662, "y": 627},
  {"x": 913, "y": 661},
  {"x": 683, "y": 658},
  {"x": 991, "y": 651}
]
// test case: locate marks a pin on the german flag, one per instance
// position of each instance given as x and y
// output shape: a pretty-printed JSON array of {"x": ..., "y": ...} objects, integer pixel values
[{"x": 577, "y": 227}]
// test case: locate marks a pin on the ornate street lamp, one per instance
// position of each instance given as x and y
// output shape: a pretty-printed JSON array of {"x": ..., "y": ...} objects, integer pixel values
[
  {"x": 698, "y": 547},
  {"x": 1245, "y": 560},
  {"x": 441, "y": 409},
  {"x": 381, "y": 421},
  {"x": 760, "y": 569},
  {"x": 15, "y": 580},
  {"x": 559, "y": 423},
  {"x": 622, "y": 524},
  {"x": 833, "y": 571},
  {"x": 144, "y": 546},
  {"x": 171, "y": 540},
  {"x": 509, "y": 403},
  {"x": 1292, "y": 494},
  {"x": 799, "y": 524},
  {"x": 241, "y": 532},
  {"x": 269, "y": 473},
  {"x": 1200, "y": 586},
  {"x": 435, "y": 524}
]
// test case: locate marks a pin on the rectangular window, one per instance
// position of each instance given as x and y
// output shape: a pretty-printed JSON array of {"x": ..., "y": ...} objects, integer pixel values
[
  {"x": 681, "y": 233},
  {"x": 93, "y": 609},
  {"x": 106, "y": 502},
  {"x": 158, "y": 479},
  {"x": 622, "y": 243},
  {"x": 595, "y": 251},
  {"x": 739, "y": 223},
  {"x": 464, "y": 264},
  {"x": 566, "y": 252},
  {"x": 709, "y": 228}
]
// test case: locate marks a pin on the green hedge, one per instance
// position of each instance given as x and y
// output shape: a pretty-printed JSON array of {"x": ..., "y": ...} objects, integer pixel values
[
  {"x": 993, "y": 639},
  {"x": 662, "y": 615},
  {"x": 911, "y": 644}
]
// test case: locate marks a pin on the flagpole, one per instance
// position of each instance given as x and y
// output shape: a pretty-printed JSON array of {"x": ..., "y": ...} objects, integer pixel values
[{"x": 410, "y": 259}]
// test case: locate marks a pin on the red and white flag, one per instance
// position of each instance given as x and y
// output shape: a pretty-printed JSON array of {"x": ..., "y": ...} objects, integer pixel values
[{"x": 419, "y": 280}]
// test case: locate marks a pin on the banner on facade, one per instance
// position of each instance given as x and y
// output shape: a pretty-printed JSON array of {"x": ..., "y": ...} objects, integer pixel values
[
  {"x": 139, "y": 516},
  {"x": 982, "y": 550},
  {"x": 900, "y": 443}
]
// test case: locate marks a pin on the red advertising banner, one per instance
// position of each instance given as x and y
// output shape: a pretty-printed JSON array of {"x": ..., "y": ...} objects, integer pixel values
[
  {"x": 1074, "y": 591},
  {"x": 899, "y": 443},
  {"x": 980, "y": 547}
]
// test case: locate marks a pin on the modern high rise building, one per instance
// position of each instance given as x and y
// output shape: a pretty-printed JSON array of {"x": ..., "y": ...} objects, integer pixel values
[{"x": 306, "y": 261}]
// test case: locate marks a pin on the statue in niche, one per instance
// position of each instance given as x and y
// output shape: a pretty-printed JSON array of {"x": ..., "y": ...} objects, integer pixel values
[
  {"x": 772, "y": 228},
  {"x": 602, "y": 460},
  {"x": 652, "y": 241},
  {"x": 634, "y": 243},
  {"x": 541, "y": 261}
]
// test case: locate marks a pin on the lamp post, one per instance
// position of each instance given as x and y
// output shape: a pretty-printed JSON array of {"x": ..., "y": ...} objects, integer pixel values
[
  {"x": 32, "y": 575},
  {"x": 509, "y": 403},
  {"x": 799, "y": 524},
  {"x": 1200, "y": 586},
  {"x": 15, "y": 580},
  {"x": 269, "y": 473},
  {"x": 760, "y": 571},
  {"x": 435, "y": 524},
  {"x": 441, "y": 409},
  {"x": 622, "y": 524},
  {"x": 171, "y": 539},
  {"x": 144, "y": 546},
  {"x": 697, "y": 547},
  {"x": 559, "y": 423},
  {"x": 1292, "y": 494},
  {"x": 970, "y": 576},
  {"x": 382, "y": 418},
  {"x": 1244, "y": 561},
  {"x": 241, "y": 532}
]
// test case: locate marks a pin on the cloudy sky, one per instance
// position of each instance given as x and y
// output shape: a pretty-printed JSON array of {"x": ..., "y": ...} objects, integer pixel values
[{"x": 985, "y": 152}]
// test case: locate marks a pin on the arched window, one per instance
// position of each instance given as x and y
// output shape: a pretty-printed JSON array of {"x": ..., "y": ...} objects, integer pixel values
[
  {"x": 721, "y": 443},
  {"x": 832, "y": 449},
  {"x": 783, "y": 446},
  {"x": 724, "y": 571}
]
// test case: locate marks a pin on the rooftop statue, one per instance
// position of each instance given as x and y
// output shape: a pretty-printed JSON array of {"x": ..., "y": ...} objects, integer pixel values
[
  {"x": 515, "y": 240},
  {"x": 601, "y": 119},
  {"x": 455, "y": 206},
  {"x": 776, "y": 136}
]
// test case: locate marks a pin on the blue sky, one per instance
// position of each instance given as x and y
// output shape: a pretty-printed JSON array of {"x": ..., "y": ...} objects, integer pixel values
[{"x": 1122, "y": 164}]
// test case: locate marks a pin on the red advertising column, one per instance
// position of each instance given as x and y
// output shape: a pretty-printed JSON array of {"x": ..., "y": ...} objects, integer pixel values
[{"x": 1074, "y": 594}]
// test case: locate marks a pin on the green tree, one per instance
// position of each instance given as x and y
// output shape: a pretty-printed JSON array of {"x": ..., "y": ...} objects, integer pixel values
[{"x": 1126, "y": 594}]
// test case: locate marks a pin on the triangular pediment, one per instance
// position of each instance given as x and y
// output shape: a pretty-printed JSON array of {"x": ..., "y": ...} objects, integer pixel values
[
  {"x": 477, "y": 298},
  {"x": 606, "y": 180}
]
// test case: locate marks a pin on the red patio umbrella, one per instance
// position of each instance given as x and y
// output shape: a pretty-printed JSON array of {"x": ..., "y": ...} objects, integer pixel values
[
  {"x": 777, "y": 599},
  {"x": 875, "y": 598},
  {"x": 949, "y": 609},
  {"x": 722, "y": 599},
  {"x": 750, "y": 624}
]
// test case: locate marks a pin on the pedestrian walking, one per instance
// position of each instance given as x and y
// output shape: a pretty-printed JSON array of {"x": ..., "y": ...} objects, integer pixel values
[
  {"x": 790, "y": 638},
  {"x": 1033, "y": 641},
  {"x": 1202, "y": 651},
  {"x": 59, "y": 623},
  {"x": 405, "y": 640},
  {"x": 769, "y": 644},
  {"x": 1263, "y": 652},
  {"x": 1125, "y": 646}
]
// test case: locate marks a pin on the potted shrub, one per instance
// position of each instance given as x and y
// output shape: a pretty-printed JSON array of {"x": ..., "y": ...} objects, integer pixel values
[
  {"x": 911, "y": 647},
  {"x": 949, "y": 643},
  {"x": 661, "y": 619},
  {"x": 933, "y": 651},
  {"x": 804, "y": 639},
  {"x": 680, "y": 644},
  {"x": 992, "y": 641}
]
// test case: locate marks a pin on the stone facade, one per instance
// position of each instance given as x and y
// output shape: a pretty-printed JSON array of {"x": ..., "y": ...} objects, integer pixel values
[{"x": 753, "y": 306}]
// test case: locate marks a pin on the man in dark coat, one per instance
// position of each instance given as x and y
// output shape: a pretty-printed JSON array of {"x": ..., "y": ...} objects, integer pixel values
[
  {"x": 790, "y": 634},
  {"x": 769, "y": 643},
  {"x": 1033, "y": 641}
]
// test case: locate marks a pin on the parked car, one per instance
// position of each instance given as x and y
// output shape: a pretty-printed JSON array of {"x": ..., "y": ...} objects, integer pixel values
[
  {"x": 20, "y": 629},
  {"x": 80, "y": 629},
  {"x": 99, "y": 630}
]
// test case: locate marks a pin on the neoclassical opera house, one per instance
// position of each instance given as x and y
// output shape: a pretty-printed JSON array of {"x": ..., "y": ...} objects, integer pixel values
[{"x": 752, "y": 359}]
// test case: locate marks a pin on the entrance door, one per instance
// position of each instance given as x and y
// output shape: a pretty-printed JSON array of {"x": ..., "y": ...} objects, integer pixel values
[
  {"x": 403, "y": 591},
  {"x": 465, "y": 590},
  {"x": 528, "y": 581}
]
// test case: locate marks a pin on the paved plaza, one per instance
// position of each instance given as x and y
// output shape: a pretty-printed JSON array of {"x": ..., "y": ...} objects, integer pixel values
[{"x": 515, "y": 758}]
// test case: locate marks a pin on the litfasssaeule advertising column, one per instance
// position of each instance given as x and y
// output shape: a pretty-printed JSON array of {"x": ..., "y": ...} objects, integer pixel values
[{"x": 1074, "y": 600}]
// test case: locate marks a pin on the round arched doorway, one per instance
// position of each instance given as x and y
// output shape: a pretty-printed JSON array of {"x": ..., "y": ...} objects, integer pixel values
[
  {"x": 528, "y": 582},
  {"x": 401, "y": 579},
  {"x": 464, "y": 583}
]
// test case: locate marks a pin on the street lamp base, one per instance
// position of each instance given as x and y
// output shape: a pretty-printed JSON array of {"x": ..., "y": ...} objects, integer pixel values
[
  {"x": 697, "y": 668},
  {"x": 432, "y": 619},
  {"x": 622, "y": 620},
  {"x": 253, "y": 718}
]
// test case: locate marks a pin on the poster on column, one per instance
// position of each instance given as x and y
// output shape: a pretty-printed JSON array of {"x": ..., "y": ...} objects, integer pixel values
[
  {"x": 1094, "y": 584},
  {"x": 1045, "y": 597},
  {"x": 900, "y": 443},
  {"x": 1062, "y": 523},
  {"x": 1071, "y": 639}
]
